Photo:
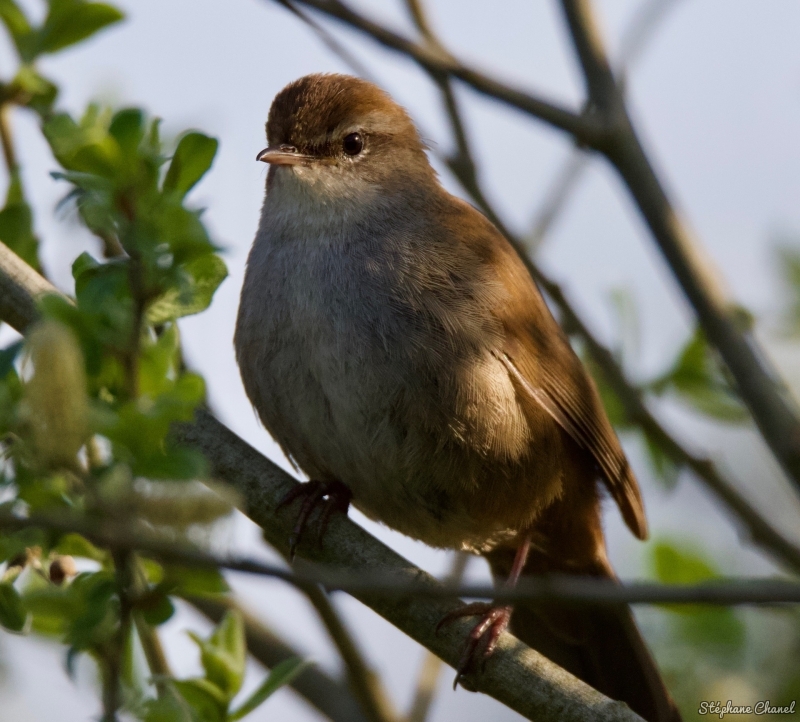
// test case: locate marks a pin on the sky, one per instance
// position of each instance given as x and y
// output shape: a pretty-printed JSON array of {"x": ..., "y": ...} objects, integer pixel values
[{"x": 716, "y": 99}]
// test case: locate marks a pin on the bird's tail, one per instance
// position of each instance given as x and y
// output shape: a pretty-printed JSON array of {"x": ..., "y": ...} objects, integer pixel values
[{"x": 599, "y": 644}]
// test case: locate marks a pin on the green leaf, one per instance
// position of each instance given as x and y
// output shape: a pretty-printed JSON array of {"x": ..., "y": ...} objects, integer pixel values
[
  {"x": 70, "y": 21},
  {"x": 675, "y": 564},
  {"x": 159, "y": 363},
  {"x": 194, "y": 581},
  {"x": 12, "y": 611},
  {"x": 192, "y": 159},
  {"x": 33, "y": 90},
  {"x": 156, "y": 608},
  {"x": 718, "y": 631},
  {"x": 168, "y": 708},
  {"x": 16, "y": 224},
  {"x": 224, "y": 654},
  {"x": 201, "y": 279},
  {"x": 128, "y": 128},
  {"x": 282, "y": 674},
  {"x": 698, "y": 378},
  {"x": 207, "y": 701},
  {"x": 17, "y": 25},
  {"x": 75, "y": 545},
  {"x": 85, "y": 147}
]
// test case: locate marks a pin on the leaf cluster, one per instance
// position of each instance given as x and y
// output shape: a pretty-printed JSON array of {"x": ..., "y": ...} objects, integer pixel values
[
  {"x": 209, "y": 698},
  {"x": 87, "y": 400}
]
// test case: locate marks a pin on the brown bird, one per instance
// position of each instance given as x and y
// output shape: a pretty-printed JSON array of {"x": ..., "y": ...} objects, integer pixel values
[{"x": 397, "y": 349}]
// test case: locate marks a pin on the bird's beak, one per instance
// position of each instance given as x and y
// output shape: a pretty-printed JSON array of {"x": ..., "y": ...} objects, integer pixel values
[{"x": 283, "y": 155}]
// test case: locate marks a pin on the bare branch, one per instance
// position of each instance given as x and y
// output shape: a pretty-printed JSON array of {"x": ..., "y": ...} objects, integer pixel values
[
  {"x": 330, "y": 696},
  {"x": 431, "y": 665},
  {"x": 646, "y": 19},
  {"x": 583, "y": 128},
  {"x": 555, "y": 199},
  {"x": 330, "y": 41},
  {"x": 364, "y": 683},
  {"x": 20, "y": 287},
  {"x": 7, "y": 141},
  {"x": 772, "y": 410}
]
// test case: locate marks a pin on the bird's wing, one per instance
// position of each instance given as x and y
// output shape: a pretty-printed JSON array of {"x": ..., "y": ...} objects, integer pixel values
[
  {"x": 541, "y": 362},
  {"x": 568, "y": 395}
]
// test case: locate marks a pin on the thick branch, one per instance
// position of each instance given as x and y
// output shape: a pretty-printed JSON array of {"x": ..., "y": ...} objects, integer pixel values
[
  {"x": 20, "y": 287},
  {"x": 515, "y": 675}
]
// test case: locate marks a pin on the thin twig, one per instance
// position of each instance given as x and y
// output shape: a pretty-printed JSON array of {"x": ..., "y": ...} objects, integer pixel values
[
  {"x": 556, "y": 198},
  {"x": 7, "y": 141},
  {"x": 646, "y": 19},
  {"x": 153, "y": 652},
  {"x": 113, "y": 653},
  {"x": 364, "y": 683},
  {"x": 428, "y": 676},
  {"x": 583, "y": 128},
  {"x": 386, "y": 584},
  {"x": 330, "y": 41},
  {"x": 330, "y": 696}
]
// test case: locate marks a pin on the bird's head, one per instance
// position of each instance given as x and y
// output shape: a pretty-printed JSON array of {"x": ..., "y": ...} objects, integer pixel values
[{"x": 341, "y": 135}]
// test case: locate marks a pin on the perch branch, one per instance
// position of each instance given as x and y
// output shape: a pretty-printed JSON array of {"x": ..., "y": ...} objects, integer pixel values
[{"x": 515, "y": 675}]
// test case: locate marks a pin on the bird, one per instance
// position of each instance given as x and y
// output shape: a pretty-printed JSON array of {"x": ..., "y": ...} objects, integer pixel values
[{"x": 396, "y": 347}]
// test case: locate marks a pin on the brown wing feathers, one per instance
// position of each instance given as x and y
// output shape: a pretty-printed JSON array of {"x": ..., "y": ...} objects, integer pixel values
[{"x": 573, "y": 402}]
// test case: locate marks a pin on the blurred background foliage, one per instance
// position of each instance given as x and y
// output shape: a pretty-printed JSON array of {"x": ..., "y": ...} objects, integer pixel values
[{"x": 86, "y": 402}]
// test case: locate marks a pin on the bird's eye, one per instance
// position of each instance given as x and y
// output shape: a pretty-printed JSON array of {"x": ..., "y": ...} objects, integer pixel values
[{"x": 353, "y": 144}]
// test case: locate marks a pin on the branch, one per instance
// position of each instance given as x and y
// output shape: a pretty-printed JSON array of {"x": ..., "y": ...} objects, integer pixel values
[
  {"x": 613, "y": 134},
  {"x": 515, "y": 675},
  {"x": 774, "y": 413},
  {"x": 583, "y": 128},
  {"x": 394, "y": 585},
  {"x": 364, "y": 683},
  {"x": 330, "y": 41},
  {"x": 330, "y": 696},
  {"x": 428, "y": 675},
  {"x": 7, "y": 141},
  {"x": 760, "y": 529},
  {"x": 20, "y": 287}
]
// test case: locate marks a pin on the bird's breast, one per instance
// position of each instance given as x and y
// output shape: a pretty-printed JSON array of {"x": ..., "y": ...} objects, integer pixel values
[{"x": 374, "y": 367}]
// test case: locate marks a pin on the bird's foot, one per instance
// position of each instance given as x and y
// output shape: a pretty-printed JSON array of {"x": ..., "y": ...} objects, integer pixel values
[
  {"x": 483, "y": 638},
  {"x": 330, "y": 496}
]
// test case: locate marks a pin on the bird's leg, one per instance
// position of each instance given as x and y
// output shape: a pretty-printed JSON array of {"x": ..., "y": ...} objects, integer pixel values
[
  {"x": 493, "y": 621},
  {"x": 330, "y": 496}
]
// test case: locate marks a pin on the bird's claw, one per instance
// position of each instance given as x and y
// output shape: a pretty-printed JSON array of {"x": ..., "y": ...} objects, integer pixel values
[
  {"x": 330, "y": 495},
  {"x": 482, "y": 640}
]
